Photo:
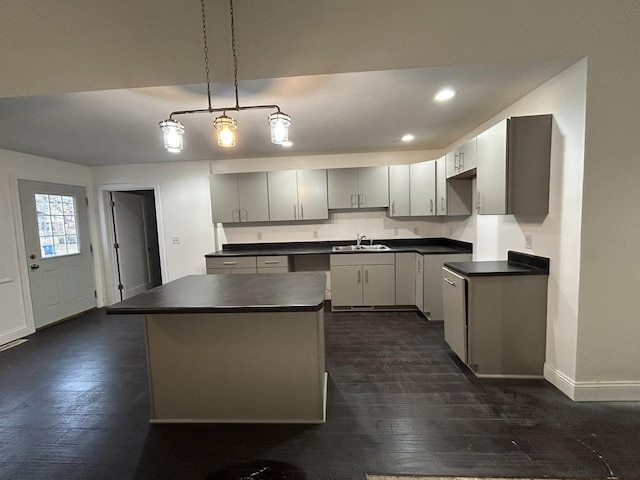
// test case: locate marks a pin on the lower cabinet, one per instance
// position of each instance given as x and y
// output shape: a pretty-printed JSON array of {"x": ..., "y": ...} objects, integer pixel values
[
  {"x": 496, "y": 324},
  {"x": 432, "y": 296},
  {"x": 273, "y": 264},
  {"x": 405, "y": 279},
  {"x": 362, "y": 280},
  {"x": 267, "y": 264}
]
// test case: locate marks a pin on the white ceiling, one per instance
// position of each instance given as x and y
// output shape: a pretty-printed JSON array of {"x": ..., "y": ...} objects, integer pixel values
[
  {"x": 88, "y": 82},
  {"x": 349, "y": 112}
]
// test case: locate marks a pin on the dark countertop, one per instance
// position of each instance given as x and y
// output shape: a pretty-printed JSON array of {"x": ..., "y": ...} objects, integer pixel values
[
  {"x": 516, "y": 264},
  {"x": 268, "y": 292},
  {"x": 424, "y": 246}
]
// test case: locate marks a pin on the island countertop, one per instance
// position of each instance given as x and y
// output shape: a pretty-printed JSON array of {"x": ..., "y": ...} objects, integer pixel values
[{"x": 271, "y": 292}]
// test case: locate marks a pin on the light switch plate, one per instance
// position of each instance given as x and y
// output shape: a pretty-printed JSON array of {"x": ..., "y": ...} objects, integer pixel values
[{"x": 175, "y": 239}]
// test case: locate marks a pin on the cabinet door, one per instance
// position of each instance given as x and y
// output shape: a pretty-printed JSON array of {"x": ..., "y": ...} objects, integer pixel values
[
  {"x": 455, "y": 312},
  {"x": 283, "y": 195},
  {"x": 399, "y": 191},
  {"x": 253, "y": 197},
  {"x": 346, "y": 285},
  {"x": 379, "y": 285},
  {"x": 467, "y": 156},
  {"x": 373, "y": 187},
  {"x": 441, "y": 186},
  {"x": 433, "y": 265},
  {"x": 491, "y": 175},
  {"x": 451, "y": 164},
  {"x": 405, "y": 278},
  {"x": 224, "y": 198},
  {"x": 342, "y": 187},
  {"x": 312, "y": 195},
  {"x": 423, "y": 188},
  {"x": 419, "y": 272}
]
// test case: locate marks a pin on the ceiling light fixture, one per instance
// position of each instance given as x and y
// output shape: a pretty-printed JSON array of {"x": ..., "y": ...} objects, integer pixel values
[
  {"x": 225, "y": 126},
  {"x": 407, "y": 138},
  {"x": 444, "y": 95}
]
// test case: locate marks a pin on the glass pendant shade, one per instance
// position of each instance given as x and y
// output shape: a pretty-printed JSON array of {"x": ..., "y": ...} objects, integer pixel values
[
  {"x": 172, "y": 132},
  {"x": 226, "y": 128},
  {"x": 279, "y": 127}
]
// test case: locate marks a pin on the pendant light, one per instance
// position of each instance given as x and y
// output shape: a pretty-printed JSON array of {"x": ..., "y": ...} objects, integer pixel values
[{"x": 224, "y": 125}]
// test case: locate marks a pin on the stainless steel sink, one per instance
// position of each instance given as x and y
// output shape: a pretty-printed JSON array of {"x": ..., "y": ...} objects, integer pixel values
[{"x": 359, "y": 248}]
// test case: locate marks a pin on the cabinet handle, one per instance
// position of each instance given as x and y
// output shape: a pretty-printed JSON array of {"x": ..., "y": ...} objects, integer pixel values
[
  {"x": 442, "y": 204},
  {"x": 229, "y": 263},
  {"x": 393, "y": 208},
  {"x": 419, "y": 266},
  {"x": 352, "y": 196},
  {"x": 271, "y": 262},
  {"x": 478, "y": 206},
  {"x": 295, "y": 214},
  {"x": 431, "y": 205},
  {"x": 456, "y": 163},
  {"x": 366, "y": 276},
  {"x": 360, "y": 202},
  {"x": 461, "y": 157},
  {"x": 246, "y": 216},
  {"x": 359, "y": 277},
  {"x": 235, "y": 214},
  {"x": 449, "y": 281},
  {"x": 301, "y": 212}
]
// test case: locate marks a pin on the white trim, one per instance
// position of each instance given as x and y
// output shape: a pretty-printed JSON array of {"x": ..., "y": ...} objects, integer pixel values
[
  {"x": 612, "y": 391},
  {"x": 106, "y": 233}
]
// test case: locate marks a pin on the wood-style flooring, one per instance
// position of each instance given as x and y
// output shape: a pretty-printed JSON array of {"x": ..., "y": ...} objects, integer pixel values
[{"x": 74, "y": 405}]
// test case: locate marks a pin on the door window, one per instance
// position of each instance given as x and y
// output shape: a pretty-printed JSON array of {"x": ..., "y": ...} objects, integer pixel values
[{"x": 57, "y": 225}]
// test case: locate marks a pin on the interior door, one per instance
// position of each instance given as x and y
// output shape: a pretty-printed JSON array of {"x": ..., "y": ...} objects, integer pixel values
[
  {"x": 130, "y": 223},
  {"x": 58, "y": 247}
]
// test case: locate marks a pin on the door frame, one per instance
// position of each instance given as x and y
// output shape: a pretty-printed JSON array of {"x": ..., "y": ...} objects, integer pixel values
[
  {"x": 14, "y": 176},
  {"x": 107, "y": 236}
]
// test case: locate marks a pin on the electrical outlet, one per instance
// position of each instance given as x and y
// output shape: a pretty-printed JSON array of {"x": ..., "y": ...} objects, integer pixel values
[
  {"x": 415, "y": 230},
  {"x": 259, "y": 235},
  {"x": 395, "y": 232},
  {"x": 528, "y": 240},
  {"x": 175, "y": 240},
  {"x": 315, "y": 234}
]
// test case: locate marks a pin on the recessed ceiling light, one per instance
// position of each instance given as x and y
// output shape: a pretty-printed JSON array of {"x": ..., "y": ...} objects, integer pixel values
[
  {"x": 287, "y": 144},
  {"x": 444, "y": 95},
  {"x": 407, "y": 138}
]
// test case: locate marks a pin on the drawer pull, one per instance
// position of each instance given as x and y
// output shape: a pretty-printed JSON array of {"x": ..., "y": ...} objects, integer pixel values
[
  {"x": 449, "y": 281},
  {"x": 230, "y": 263},
  {"x": 271, "y": 262}
]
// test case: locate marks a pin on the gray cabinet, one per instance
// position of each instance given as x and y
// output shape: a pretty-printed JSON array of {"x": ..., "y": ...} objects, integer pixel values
[
  {"x": 273, "y": 264},
  {"x": 399, "y": 181},
  {"x": 297, "y": 195},
  {"x": 454, "y": 195},
  {"x": 406, "y": 279},
  {"x": 433, "y": 264},
  {"x": 462, "y": 161},
  {"x": 366, "y": 187},
  {"x": 362, "y": 280},
  {"x": 514, "y": 159},
  {"x": 217, "y": 265},
  {"x": 239, "y": 197},
  {"x": 419, "y": 273},
  {"x": 423, "y": 188},
  {"x": 497, "y": 324}
]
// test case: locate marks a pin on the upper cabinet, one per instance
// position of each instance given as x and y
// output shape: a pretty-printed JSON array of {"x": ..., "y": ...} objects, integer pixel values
[
  {"x": 463, "y": 160},
  {"x": 423, "y": 188},
  {"x": 399, "y": 178},
  {"x": 239, "y": 197},
  {"x": 297, "y": 195},
  {"x": 514, "y": 160},
  {"x": 366, "y": 187},
  {"x": 453, "y": 196}
]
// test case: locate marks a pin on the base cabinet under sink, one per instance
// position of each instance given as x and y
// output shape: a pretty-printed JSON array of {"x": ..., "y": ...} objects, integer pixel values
[
  {"x": 362, "y": 280},
  {"x": 496, "y": 324}
]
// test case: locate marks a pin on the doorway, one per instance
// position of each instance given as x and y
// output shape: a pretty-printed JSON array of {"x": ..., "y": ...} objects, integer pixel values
[
  {"x": 58, "y": 248},
  {"x": 135, "y": 243}
]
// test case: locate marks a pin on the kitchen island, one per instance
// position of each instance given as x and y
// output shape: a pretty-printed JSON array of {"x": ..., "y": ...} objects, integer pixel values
[{"x": 235, "y": 348}]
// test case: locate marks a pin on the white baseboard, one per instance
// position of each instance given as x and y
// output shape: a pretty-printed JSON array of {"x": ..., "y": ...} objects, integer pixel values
[{"x": 614, "y": 391}]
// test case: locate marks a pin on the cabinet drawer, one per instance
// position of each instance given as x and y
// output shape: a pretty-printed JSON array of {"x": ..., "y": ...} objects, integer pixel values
[
  {"x": 231, "y": 262},
  {"x": 273, "y": 261},
  {"x": 363, "y": 259},
  {"x": 273, "y": 269}
]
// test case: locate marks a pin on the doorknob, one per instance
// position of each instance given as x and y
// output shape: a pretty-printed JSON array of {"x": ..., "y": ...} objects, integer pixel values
[
  {"x": 32, "y": 256},
  {"x": 34, "y": 266}
]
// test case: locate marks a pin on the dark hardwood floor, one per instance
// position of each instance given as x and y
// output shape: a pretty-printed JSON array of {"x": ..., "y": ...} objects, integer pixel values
[{"x": 74, "y": 405}]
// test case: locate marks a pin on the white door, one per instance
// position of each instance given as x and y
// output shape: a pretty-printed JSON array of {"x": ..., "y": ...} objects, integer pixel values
[
  {"x": 58, "y": 248},
  {"x": 130, "y": 223}
]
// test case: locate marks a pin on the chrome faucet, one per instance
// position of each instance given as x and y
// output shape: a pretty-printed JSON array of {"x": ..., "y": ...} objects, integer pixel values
[{"x": 360, "y": 238}]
